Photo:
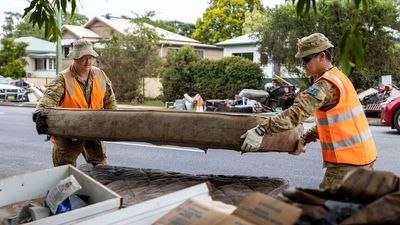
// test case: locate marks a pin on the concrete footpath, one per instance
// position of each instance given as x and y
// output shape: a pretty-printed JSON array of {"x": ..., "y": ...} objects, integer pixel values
[{"x": 373, "y": 121}]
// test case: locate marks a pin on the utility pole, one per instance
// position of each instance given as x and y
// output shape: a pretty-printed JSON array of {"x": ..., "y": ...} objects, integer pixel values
[{"x": 59, "y": 50}]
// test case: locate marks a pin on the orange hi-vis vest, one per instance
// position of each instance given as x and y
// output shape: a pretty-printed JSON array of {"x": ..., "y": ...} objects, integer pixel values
[
  {"x": 74, "y": 96},
  {"x": 343, "y": 130}
]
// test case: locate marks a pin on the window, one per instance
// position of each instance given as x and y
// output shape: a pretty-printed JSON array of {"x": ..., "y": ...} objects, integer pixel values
[
  {"x": 66, "y": 52},
  {"x": 247, "y": 55},
  {"x": 52, "y": 64},
  {"x": 40, "y": 64},
  {"x": 200, "y": 52},
  {"x": 172, "y": 50}
]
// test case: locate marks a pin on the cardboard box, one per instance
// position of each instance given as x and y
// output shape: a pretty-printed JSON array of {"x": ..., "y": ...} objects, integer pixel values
[
  {"x": 255, "y": 209},
  {"x": 263, "y": 209},
  {"x": 36, "y": 184}
]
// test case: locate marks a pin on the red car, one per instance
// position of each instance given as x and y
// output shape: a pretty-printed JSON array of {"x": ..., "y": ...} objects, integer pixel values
[{"x": 390, "y": 112}]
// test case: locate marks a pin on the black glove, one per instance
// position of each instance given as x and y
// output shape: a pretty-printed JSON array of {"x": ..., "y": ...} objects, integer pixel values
[{"x": 41, "y": 125}]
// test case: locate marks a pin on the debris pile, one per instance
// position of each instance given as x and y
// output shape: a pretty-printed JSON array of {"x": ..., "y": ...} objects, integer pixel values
[
  {"x": 363, "y": 197},
  {"x": 273, "y": 99}
]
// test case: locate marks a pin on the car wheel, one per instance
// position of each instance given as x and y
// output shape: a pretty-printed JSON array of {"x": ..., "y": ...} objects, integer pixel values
[{"x": 396, "y": 120}]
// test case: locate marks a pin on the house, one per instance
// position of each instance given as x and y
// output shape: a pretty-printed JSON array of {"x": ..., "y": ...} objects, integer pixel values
[
  {"x": 100, "y": 28},
  {"x": 41, "y": 57},
  {"x": 247, "y": 46}
]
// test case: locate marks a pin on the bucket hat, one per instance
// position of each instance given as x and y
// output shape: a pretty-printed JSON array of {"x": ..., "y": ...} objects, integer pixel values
[
  {"x": 311, "y": 44},
  {"x": 81, "y": 48}
]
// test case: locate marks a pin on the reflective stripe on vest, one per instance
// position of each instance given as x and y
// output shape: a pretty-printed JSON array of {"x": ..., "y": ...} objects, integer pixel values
[
  {"x": 333, "y": 76},
  {"x": 347, "y": 142},
  {"x": 341, "y": 116},
  {"x": 102, "y": 83},
  {"x": 70, "y": 86}
]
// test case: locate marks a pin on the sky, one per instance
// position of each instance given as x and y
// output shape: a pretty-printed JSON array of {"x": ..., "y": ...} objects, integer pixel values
[{"x": 182, "y": 10}]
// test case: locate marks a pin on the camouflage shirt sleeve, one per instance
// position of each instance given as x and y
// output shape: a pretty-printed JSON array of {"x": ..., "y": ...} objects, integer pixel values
[
  {"x": 110, "y": 101},
  {"x": 321, "y": 95},
  {"x": 52, "y": 96},
  {"x": 311, "y": 135}
]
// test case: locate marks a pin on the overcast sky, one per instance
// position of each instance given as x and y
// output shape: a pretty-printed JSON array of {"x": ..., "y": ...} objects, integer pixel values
[{"x": 182, "y": 10}]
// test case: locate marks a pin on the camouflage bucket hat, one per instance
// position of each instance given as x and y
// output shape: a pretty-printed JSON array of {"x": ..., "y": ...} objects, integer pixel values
[
  {"x": 81, "y": 48},
  {"x": 314, "y": 43}
]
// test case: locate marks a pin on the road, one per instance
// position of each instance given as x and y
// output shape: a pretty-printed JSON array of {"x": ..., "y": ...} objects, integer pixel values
[{"x": 22, "y": 150}]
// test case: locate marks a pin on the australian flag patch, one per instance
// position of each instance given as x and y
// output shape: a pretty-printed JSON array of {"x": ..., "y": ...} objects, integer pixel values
[{"x": 313, "y": 91}]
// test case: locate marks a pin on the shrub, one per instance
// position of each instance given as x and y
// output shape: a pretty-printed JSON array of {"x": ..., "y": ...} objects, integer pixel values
[{"x": 184, "y": 72}]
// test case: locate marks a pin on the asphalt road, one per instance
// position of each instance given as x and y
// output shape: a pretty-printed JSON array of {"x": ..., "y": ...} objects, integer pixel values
[{"x": 22, "y": 150}]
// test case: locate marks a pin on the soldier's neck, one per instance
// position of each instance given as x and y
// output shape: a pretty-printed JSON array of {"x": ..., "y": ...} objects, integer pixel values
[
  {"x": 326, "y": 67},
  {"x": 83, "y": 73}
]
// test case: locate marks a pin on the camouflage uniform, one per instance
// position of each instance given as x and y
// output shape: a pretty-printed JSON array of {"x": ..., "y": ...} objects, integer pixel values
[
  {"x": 66, "y": 150},
  {"x": 305, "y": 104}
]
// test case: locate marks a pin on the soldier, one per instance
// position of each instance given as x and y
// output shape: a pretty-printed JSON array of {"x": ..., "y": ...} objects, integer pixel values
[
  {"x": 342, "y": 127},
  {"x": 83, "y": 86}
]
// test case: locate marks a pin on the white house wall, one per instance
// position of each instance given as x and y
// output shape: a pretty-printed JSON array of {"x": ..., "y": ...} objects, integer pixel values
[
  {"x": 31, "y": 72},
  {"x": 230, "y": 50}
]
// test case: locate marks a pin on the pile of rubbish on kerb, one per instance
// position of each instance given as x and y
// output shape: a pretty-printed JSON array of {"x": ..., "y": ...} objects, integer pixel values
[
  {"x": 363, "y": 197},
  {"x": 372, "y": 98},
  {"x": 272, "y": 99}
]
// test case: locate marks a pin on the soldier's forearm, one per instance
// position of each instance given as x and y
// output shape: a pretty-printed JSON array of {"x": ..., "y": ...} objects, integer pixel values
[{"x": 311, "y": 135}]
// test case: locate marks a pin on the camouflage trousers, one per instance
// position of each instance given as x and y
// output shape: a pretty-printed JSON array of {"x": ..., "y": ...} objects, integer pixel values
[
  {"x": 67, "y": 150},
  {"x": 334, "y": 175}
]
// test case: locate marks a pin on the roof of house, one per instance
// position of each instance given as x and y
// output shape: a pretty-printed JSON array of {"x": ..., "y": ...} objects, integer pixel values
[
  {"x": 246, "y": 39},
  {"x": 124, "y": 25},
  {"x": 36, "y": 45},
  {"x": 80, "y": 32}
]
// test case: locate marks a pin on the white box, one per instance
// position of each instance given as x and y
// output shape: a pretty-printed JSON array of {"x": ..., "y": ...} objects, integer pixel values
[
  {"x": 36, "y": 184},
  {"x": 148, "y": 212}
]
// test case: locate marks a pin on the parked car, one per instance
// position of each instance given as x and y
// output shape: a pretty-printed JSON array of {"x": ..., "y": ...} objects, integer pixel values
[
  {"x": 5, "y": 80},
  {"x": 390, "y": 112},
  {"x": 12, "y": 93}
]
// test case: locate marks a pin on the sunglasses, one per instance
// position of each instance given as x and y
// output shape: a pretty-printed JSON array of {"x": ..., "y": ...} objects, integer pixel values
[{"x": 308, "y": 58}]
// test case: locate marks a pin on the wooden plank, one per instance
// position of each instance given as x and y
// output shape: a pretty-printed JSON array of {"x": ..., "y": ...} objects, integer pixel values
[{"x": 181, "y": 128}]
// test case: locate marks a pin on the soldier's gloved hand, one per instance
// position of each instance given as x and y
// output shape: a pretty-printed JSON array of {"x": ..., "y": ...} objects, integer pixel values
[
  {"x": 253, "y": 139},
  {"x": 41, "y": 125},
  {"x": 301, "y": 146}
]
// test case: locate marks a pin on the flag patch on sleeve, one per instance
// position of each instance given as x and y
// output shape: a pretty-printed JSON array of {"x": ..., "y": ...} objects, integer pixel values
[{"x": 313, "y": 91}]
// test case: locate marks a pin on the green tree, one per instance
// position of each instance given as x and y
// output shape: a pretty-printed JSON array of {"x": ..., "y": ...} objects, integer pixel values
[
  {"x": 334, "y": 18},
  {"x": 42, "y": 13},
  {"x": 185, "y": 72},
  {"x": 10, "y": 22},
  {"x": 184, "y": 29},
  {"x": 177, "y": 76},
  {"x": 12, "y": 54},
  {"x": 27, "y": 29},
  {"x": 224, "y": 78},
  {"x": 253, "y": 21},
  {"x": 223, "y": 20},
  {"x": 14, "y": 69},
  {"x": 351, "y": 41},
  {"x": 128, "y": 59},
  {"x": 74, "y": 19}
]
